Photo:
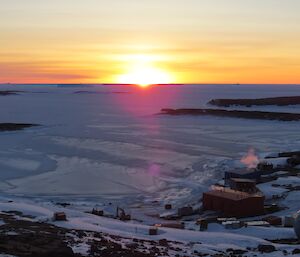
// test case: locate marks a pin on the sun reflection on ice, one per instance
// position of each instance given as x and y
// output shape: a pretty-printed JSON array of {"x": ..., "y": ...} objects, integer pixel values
[{"x": 154, "y": 170}]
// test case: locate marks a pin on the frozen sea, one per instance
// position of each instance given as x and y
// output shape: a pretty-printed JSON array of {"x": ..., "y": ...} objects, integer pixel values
[{"x": 106, "y": 142}]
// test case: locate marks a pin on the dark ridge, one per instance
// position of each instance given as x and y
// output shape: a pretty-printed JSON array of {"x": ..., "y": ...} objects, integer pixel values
[
  {"x": 71, "y": 85},
  {"x": 281, "y": 116},
  {"x": 15, "y": 126},
  {"x": 101, "y": 93},
  {"x": 280, "y": 101},
  {"x": 289, "y": 154}
]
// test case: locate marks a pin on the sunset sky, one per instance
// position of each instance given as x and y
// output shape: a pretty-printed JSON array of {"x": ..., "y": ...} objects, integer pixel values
[{"x": 178, "y": 41}]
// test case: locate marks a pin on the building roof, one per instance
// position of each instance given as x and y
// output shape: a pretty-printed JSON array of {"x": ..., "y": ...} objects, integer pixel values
[
  {"x": 243, "y": 171},
  {"x": 232, "y": 194},
  {"x": 243, "y": 180}
]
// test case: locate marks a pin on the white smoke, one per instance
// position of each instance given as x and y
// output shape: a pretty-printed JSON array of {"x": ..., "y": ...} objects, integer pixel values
[{"x": 250, "y": 159}]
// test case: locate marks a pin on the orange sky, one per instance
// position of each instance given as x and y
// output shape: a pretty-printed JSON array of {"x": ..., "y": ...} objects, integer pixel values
[{"x": 191, "y": 41}]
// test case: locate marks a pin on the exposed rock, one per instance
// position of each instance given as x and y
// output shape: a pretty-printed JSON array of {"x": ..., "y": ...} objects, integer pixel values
[
  {"x": 266, "y": 248},
  {"x": 296, "y": 251},
  {"x": 163, "y": 242},
  {"x": 35, "y": 245},
  {"x": 185, "y": 211},
  {"x": 168, "y": 206}
]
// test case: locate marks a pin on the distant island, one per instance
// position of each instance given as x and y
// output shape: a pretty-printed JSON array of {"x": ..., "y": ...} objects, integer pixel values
[
  {"x": 281, "y": 116},
  {"x": 15, "y": 126},
  {"x": 280, "y": 101},
  {"x": 10, "y": 92}
]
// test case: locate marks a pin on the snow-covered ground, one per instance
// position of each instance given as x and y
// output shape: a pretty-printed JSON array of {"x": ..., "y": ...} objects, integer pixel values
[{"x": 215, "y": 239}]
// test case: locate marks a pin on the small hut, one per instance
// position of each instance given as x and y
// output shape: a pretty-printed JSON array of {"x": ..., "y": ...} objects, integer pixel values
[
  {"x": 265, "y": 167},
  {"x": 243, "y": 185},
  {"x": 59, "y": 216}
]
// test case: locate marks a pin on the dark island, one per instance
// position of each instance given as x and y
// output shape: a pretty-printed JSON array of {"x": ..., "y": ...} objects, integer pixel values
[
  {"x": 15, "y": 126},
  {"x": 281, "y": 116},
  {"x": 279, "y": 101},
  {"x": 10, "y": 92},
  {"x": 100, "y": 93}
]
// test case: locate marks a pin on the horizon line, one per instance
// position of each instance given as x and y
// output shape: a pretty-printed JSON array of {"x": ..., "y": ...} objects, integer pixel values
[{"x": 159, "y": 84}]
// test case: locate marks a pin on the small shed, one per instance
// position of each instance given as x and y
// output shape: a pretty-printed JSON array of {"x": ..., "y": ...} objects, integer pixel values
[
  {"x": 243, "y": 185},
  {"x": 265, "y": 167},
  {"x": 59, "y": 216},
  {"x": 97, "y": 212},
  {"x": 273, "y": 220},
  {"x": 177, "y": 225},
  {"x": 203, "y": 224},
  {"x": 168, "y": 206},
  {"x": 185, "y": 211},
  {"x": 153, "y": 231}
]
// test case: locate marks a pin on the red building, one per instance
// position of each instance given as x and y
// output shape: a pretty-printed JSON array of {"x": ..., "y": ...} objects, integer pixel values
[{"x": 234, "y": 203}]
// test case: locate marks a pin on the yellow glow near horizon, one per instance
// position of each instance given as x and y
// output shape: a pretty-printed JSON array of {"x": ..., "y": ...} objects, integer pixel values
[{"x": 142, "y": 71}]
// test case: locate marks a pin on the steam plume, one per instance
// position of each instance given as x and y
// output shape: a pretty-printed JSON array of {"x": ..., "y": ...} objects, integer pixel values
[{"x": 250, "y": 159}]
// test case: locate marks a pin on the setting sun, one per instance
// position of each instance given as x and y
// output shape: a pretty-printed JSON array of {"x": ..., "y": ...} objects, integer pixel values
[
  {"x": 141, "y": 70},
  {"x": 145, "y": 76}
]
